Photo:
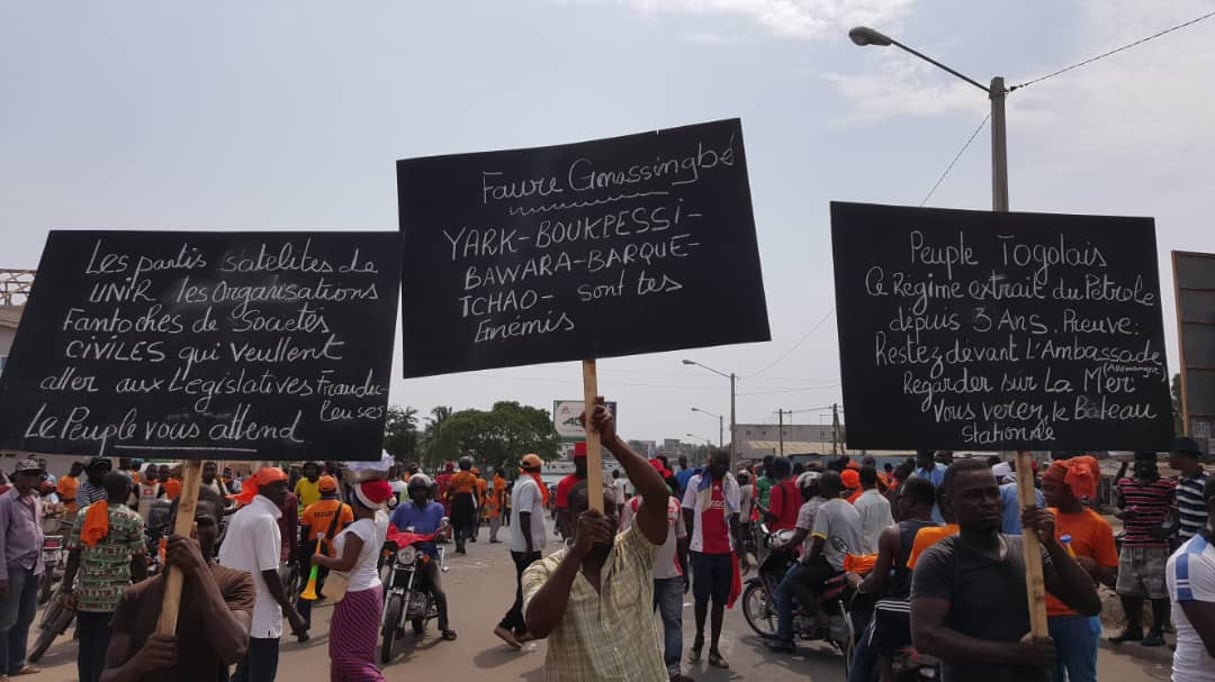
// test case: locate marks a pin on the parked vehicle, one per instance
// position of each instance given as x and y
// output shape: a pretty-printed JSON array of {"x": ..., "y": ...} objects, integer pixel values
[
  {"x": 407, "y": 593},
  {"x": 54, "y": 556}
]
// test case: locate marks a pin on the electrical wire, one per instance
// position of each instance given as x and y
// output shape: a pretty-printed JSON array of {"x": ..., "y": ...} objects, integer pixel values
[
  {"x": 961, "y": 151},
  {"x": 800, "y": 341},
  {"x": 1114, "y": 51},
  {"x": 790, "y": 390}
]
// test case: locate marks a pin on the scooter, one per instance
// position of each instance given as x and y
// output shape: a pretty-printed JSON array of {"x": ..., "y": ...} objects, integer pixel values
[{"x": 407, "y": 594}]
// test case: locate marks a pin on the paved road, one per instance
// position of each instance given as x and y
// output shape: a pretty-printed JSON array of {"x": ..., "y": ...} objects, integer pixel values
[{"x": 480, "y": 587}]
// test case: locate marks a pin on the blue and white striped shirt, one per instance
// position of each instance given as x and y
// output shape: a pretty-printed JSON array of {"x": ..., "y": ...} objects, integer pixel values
[{"x": 1191, "y": 507}]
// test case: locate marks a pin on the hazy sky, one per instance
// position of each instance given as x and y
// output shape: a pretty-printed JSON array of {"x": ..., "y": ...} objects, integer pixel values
[{"x": 290, "y": 115}]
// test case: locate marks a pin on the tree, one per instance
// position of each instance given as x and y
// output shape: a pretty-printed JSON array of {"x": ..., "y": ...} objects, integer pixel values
[
  {"x": 429, "y": 456},
  {"x": 401, "y": 433},
  {"x": 496, "y": 438},
  {"x": 1178, "y": 416}
]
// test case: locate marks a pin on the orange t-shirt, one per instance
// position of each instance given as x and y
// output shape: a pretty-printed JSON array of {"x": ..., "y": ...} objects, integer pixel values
[
  {"x": 1091, "y": 537},
  {"x": 927, "y": 537},
  {"x": 318, "y": 517},
  {"x": 172, "y": 489},
  {"x": 481, "y": 486},
  {"x": 462, "y": 482},
  {"x": 67, "y": 490},
  {"x": 493, "y": 504}
]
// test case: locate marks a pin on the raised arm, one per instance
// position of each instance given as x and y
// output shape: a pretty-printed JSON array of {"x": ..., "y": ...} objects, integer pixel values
[
  {"x": 547, "y": 603},
  {"x": 226, "y": 630},
  {"x": 652, "y": 515}
]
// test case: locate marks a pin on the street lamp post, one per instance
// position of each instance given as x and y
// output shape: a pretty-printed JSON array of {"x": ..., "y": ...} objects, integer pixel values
[
  {"x": 996, "y": 92},
  {"x": 721, "y": 429},
  {"x": 733, "y": 381}
]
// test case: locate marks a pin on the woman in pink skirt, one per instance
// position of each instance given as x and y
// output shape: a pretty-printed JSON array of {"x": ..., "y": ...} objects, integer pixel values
[{"x": 354, "y": 630}]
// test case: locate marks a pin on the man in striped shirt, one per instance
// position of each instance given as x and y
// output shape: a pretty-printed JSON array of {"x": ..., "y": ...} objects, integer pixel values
[
  {"x": 1191, "y": 507},
  {"x": 1143, "y": 504}
]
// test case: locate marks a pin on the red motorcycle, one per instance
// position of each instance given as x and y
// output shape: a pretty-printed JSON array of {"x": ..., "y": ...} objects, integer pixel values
[{"x": 407, "y": 593}]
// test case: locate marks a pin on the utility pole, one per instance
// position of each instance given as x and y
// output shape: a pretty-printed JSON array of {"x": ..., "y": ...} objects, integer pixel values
[
  {"x": 835, "y": 428},
  {"x": 781, "y": 428},
  {"x": 733, "y": 424}
]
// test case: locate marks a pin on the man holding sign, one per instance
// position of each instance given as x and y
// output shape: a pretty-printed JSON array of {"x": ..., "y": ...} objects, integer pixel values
[
  {"x": 968, "y": 593},
  {"x": 594, "y": 599}
]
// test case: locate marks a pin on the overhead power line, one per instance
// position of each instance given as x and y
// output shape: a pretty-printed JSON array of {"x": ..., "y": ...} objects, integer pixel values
[
  {"x": 800, "y": 341},
  {"x": 949, "y": 168},
  {"x": 1103, "y": 55}
]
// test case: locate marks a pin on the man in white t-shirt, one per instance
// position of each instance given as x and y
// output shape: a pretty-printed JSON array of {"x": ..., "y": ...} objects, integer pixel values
[
  {"x": 670, "y": 582},
  {"x": 618, "y": 485},
  {"x": 528, "y": 500},
  {"x": 874, "y": 510},
  {"x": 253, "y": 543},
  {"x": 1190, "y": 574}
]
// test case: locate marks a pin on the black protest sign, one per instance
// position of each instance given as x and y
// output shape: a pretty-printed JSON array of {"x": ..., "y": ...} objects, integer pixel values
[
  {"x": 274, "y": 345},
  {"x": 1194, "y": 276},
  {"x": 612, "y": 247},
  {"x": 967, "y": 330}
]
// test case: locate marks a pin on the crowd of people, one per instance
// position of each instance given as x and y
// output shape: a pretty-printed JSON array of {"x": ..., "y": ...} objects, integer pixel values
[{"x": 943, "y": 568}]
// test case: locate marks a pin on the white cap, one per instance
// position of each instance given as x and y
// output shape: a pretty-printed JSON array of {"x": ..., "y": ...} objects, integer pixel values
[{"x": 1002, "y": 470}]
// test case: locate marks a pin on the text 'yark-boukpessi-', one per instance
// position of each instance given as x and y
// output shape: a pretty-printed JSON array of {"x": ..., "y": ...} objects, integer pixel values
[
  {"x": 970, "y": 330},
  {"x": 612, "y": 247},
  {"x": 270, "y": 345}
]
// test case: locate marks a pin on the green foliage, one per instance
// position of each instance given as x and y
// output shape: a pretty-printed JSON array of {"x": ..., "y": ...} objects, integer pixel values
[
  {"x": 401, "y": 434},
  {"x": 497, "y": 438}
]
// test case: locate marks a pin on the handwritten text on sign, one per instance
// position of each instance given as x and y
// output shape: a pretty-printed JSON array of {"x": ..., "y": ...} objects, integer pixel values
[
  {"x": 274, "y": 344},
  {"x": 983, "y": 331},
  {"x": 612, "y": 247}
]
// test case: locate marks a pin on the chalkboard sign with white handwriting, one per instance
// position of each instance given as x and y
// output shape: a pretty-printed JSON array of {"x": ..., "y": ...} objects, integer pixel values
[
  {"x": 273, "y": 345},
  {"x": 612, "y": 247},
  {"x": 978, "y": 331}
]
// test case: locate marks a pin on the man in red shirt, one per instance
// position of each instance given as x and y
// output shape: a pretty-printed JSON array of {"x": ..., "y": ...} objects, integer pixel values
[
  {"x": 565, "y": 524},
  {"x": 784, "y": 499},
  {"x": 1143, "y": 504},
  {"x": 711, "y": 507}
]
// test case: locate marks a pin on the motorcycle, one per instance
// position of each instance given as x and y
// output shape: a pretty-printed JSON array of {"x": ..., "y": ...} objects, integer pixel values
[
  {"x": 53, "y": 552},
  {"x": 407, "y": 596},
  {"x": 830, "y": 623}
]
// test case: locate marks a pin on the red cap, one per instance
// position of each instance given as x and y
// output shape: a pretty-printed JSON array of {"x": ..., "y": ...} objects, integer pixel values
[
  {"x": 850, "y": 478},
  {"x": 580, "y": 449}
]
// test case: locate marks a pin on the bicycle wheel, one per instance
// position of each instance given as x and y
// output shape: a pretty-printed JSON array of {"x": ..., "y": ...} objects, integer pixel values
[{"x": 50, "y": 631}]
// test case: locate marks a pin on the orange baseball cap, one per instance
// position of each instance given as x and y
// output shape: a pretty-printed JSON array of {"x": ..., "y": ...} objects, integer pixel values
[
  {"x": 327, "y": 484},
  {"x": 531, "y": 461}
]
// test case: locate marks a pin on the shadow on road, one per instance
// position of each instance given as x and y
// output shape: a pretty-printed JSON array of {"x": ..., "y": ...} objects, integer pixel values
[{"x": 499, "y": 656}]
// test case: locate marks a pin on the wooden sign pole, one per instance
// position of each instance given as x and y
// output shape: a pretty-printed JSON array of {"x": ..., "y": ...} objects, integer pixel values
[
  {"x": 186, "y": 504},
  {"x": 594, "y": 458},
  {"x": 1035, "y": 584}
]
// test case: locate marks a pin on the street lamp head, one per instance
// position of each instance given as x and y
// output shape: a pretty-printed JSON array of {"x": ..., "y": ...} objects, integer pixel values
[
  {"x": 689, "y": 362},
  {"x": 863, "y": 35}
]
